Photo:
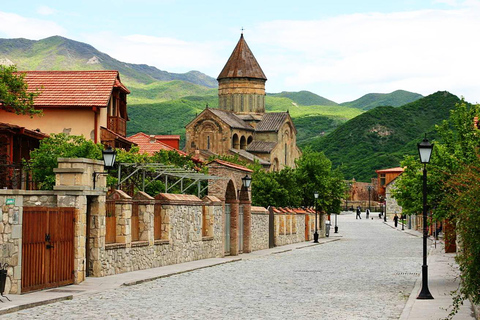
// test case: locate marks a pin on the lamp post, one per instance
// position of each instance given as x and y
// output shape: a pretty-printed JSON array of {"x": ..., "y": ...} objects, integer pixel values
[
  {"x": 109, "y": 155},
  {"x": 425, "y": 151},
  {"x": 246, "y": 181},
  {"x": 336, "y": 226},
  {"x": 384, "y": 214},
  {"x": 315, "y": 235}
]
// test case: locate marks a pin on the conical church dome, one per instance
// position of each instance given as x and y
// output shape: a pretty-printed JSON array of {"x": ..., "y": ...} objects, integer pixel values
[
  {"x": 242, "y": 63},
  {"x": 241, "y": 84}
]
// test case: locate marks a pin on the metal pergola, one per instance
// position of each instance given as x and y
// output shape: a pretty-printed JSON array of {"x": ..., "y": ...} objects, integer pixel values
[{"x": 162, "y": 170}]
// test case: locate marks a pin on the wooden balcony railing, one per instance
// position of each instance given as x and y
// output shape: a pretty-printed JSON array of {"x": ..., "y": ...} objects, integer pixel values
[{"x": 118, "y": 125}]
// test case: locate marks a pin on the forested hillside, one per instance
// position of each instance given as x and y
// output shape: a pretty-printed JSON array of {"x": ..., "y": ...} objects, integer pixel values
[
  {"x": 379, "y": 138},
  {"x": 371, "y": 100}
]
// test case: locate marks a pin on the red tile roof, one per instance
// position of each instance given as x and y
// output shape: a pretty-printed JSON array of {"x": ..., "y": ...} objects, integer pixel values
[
  {"x": 150, "y": 144},
  {"x": 231, "y": 165},
  {"x": 73, "y": 88},
  {"x": 390, "y": 170},
  {"x": 22, "y": 130}
]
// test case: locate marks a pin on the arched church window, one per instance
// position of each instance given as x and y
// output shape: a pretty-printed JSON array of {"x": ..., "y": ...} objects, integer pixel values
[
  {"x": 249, "y": 140},
  {"x": 208, "y": 142},
  {"x": 286, "y": 155},
  {"x": 243, "y": 143},
  {"x": 235, "y": 142}
]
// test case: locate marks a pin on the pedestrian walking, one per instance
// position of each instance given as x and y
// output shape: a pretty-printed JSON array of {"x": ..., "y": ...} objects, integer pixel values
[
  {"x": 359, "y": 213},
  {"x": 368, "y": 213},
  {"x": 395, "y": 220}
]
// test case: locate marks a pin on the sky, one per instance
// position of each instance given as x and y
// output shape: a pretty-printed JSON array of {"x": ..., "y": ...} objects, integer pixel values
[{"x": 338, "y": 49}]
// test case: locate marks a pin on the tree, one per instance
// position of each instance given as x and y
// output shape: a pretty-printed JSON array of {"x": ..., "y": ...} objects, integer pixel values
[
  {"x": 453, "y": 189},
  {"x": 313, "y": 174},
  {"x": 44, "y": 159},
  {"x": 13, "y": 92}
]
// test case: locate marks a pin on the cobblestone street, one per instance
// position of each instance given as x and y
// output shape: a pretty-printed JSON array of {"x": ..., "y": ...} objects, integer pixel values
[{"x": 367, "y": 274}]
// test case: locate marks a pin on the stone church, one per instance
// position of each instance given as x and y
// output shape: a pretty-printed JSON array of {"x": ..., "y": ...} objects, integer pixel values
[{"x": 240, "y": 126}]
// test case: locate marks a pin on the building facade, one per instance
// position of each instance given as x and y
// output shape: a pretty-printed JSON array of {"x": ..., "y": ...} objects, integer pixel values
[
  {"x": 240, "y": 126},
  {"x": 88, "y": 103}
]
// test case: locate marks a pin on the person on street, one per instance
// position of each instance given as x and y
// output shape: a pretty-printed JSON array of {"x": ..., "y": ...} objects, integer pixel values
[
  {"x": 359, "y": 213},
  {"x": 395, "y": 220},
  {"x": 367, "y": 212}
]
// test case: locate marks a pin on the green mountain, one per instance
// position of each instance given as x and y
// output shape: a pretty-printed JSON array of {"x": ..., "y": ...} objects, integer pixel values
[
  {"x": 305, "y": 98},
  {"x": 395, "y": 99},
  {"x": 379, "y": 138},
  {"x": 170, "y": 117},
  {"x": 58, "y": 53}
]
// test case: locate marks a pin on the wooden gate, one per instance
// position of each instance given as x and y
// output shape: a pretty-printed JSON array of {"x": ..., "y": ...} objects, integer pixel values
[{"x": 47, "y": 247}]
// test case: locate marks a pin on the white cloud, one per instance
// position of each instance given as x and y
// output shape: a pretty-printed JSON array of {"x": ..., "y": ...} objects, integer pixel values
[
  {"x": 15, "y": 26},
  {"x": 422, "y": 51},
  {"x": 45, "y": 11},
  {"x": 167, "y": 54}
]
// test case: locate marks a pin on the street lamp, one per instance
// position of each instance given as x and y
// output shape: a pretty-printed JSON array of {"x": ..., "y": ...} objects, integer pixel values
[
  {"x": 246, "y": 181},
  {"x": 425, "y": 151},
  {"x": 384, "y": 214},
  {"x": 315, "y": 235},
  {"x": 109, "y": 155}
]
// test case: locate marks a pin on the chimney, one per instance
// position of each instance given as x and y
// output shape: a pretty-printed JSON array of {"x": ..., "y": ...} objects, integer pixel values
[{"x": 153, "y": 139}]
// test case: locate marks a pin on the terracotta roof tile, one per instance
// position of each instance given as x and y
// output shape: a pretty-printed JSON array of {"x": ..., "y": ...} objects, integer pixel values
[
  {"x": 390, "y": 170},
  {"x": 73, "y": 88},
  {"x": 242, "y": 63},
  {"x": 231, "y": 165},
  {"x": 146, "y": 144}
]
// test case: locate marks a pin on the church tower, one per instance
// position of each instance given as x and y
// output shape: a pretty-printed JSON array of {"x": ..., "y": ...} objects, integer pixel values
[{"x": 241, "y": 84}]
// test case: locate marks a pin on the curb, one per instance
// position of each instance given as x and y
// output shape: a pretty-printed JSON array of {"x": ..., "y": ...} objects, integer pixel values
[
  {"x": 34, "y": 304},
  {"x": 132, "y": 283}
]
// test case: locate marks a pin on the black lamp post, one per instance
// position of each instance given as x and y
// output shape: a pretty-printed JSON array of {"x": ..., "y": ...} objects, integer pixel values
[
  {"x": 425, "y": 151},
  {"x": 246, "y": 181},
  {"x": 109, "y": 156},
  {"x": 315, "y": 235},
  {"x": 384, "y": 214}
]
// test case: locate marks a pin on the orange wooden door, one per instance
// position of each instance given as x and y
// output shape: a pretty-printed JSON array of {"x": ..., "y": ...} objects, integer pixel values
[{"x": 47, "y": 247}]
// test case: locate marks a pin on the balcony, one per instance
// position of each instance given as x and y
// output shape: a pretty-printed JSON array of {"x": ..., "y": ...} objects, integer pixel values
[{"x": 117, "y": 125}]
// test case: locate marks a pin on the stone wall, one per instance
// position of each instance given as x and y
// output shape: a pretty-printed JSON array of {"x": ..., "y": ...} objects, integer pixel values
[
  {"x": 391, "y": 204},
  {"x": 12, "y": 203},
  {"x": 11, "y": 239},
  {"x": 260, "y": 221},
  {"x": 289, "y": 229},
  {"x": 186, "y": 240}
]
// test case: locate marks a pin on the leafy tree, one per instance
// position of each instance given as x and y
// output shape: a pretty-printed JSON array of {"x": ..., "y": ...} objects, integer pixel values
[
  {"x": 13, "y": 92},
  {"x": 313, "y": 175},
  {"x": 44, "y": 159},
  {"x": 454, "y": 186}
]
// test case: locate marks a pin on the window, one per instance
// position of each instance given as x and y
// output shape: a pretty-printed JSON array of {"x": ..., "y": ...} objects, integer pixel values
[
  {"x": 382, "y": 179},
  {"x": 208, "y": 142}
]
